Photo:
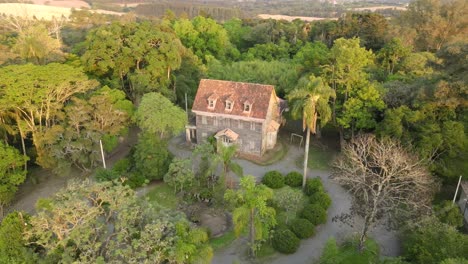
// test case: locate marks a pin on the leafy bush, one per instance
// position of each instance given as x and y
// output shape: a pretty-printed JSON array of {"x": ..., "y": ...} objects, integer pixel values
[
  {"x": 285, "y": 241},
  {"x": 121, "y": 166},
  {"x": 293, "y": 179},
  {"x": 314, "y": 213},
  {"x": 348, "y": 252},
  {"x": 106, "y": 175},
  {"x": 321, "y": 198},
  {"x": 273, "y": 179},
  {"x": 151, "y": 157},
  {"x": 450, "y": 214},
  {"x": 433, "y": 241},
  {"x": 303, "y": 228},
  {"x": 313, "y": 185},
  {"x": 135, "y": 180}
]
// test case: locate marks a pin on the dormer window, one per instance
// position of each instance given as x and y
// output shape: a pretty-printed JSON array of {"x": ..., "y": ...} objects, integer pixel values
[
  {"x": 247, "y": 107},
  {"x": 212, "y": 101},
  {"x": 229, "y": 105}
]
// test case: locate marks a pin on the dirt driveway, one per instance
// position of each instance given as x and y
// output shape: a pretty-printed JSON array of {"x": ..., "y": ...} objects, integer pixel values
[{"x": 310, "y": 249}]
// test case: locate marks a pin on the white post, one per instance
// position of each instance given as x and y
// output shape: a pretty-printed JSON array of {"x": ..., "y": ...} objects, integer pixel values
[
  {"x": 102, "y": 155},
  {"x": 456, "y": 192},
  {"x": 186, "y": 107}
]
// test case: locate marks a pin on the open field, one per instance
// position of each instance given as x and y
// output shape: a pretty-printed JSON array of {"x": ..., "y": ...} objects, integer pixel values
[
  {"x": 375, "y": 8},
  {"x": 291, "y": 18},
  {"x": 42, "y": 11},
  {"x": 64, "y": 3}
]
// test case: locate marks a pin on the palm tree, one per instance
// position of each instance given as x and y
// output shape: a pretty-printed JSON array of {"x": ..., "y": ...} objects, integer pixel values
[
  {"x": 309, "y": 100},
  {"x": 225, "y": 156}
]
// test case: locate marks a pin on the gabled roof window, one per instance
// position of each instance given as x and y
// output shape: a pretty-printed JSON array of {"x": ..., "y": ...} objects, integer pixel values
[
  {"x": 229, "y": 105},
  {"x": 212, "y": 101},
  {"x": 247, "y": 107}
]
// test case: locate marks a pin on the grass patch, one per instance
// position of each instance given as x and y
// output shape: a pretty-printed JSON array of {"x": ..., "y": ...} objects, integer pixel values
[
  {"x": 319, "y": 159},
  {"x": 163, "y": 195},
  {"x": 223, "y": 241}
]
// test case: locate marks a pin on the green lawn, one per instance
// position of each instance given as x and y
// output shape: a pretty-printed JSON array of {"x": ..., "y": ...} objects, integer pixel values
[
  {"x": 163, "y": 195},
  {"x": 223, "y": 241},
  {"x": 319, "y": 159}
]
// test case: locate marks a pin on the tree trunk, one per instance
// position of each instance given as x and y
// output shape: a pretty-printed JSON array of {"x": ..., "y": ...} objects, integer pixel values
[
  {"x": 342, "y": 141},
  {"x": 23, "y": 145},
  {"x": 306, "y": 157},
  {"x": 318, "y": 132},
  {"x": 252, "y": 231}
]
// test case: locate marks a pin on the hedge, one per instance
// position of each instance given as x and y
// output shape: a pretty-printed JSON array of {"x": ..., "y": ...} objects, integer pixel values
[
  {"x": 293, "y": 179},
  {"x": 273, "y": 179},
  {"x": 313, "y": 185},
  {"x": 314, "y": 213},
  {"x": 303, "y": 228},
  {"x": 285, "y": 241},
  {"x": 321, "y": 198}
]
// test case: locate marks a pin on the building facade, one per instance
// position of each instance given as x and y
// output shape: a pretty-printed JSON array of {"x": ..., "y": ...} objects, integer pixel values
[{"x": 244, "y": 114}]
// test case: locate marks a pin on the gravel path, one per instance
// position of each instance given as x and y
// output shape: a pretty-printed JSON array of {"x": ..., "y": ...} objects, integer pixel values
[
  {"x": 49, "y": 183},
  {"x": 310, "y": 249}
]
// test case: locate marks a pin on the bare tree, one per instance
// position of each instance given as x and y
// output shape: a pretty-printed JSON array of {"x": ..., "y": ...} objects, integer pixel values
[{"x": 385, "y": 180}]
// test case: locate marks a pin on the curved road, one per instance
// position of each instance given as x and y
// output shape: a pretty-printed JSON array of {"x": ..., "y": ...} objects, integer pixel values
[{"x": 310, "y": 249}]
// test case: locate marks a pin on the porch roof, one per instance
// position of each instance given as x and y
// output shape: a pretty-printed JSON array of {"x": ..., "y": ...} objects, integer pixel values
[{"x": 227, "y": 133}]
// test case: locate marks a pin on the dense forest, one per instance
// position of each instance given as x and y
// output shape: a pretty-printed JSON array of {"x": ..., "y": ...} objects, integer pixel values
[{"x": 67, "y": 84}]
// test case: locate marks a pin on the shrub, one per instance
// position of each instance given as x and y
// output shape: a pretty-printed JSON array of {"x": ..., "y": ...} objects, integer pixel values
[
  {"x": 293, "y": 179},
  {"x": 450, "y": 214},
  {"x": 273, "y": 179},
  {"x": 313, "y": 185},
  {"x": 321, "y": 198},
  {"x": 135, "y": 180},
  {"x": 121, "y": 166},
  {"x": 314, "y": 213},
  {"x": 106, "y": 175},
  {"x": 285, "y": 241},
  {"x": 303, "y": 228}
]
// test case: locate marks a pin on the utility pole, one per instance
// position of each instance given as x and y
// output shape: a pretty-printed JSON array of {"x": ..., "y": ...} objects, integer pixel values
[
  {"x": 102, "y": 155},
  {"x": 456, "y": 192}
]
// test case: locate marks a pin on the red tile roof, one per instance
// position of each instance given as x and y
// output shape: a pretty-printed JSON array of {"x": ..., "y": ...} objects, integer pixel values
[{"x": 238, "y": 92}]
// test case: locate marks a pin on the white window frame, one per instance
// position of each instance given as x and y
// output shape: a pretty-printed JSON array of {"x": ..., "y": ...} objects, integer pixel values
[
  {"x": 215, "y": 121},
  {"x": 247, "y": 108},
  {"x": 229, "y": 105},
  {"x": 203, "y": 120},
  {"x": 240, "y": 125},
  {"x": 252, "y": 126},
  {"x": 252, "y": 145}
]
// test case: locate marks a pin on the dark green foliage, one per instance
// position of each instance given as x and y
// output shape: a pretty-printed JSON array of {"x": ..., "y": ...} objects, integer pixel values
[
  {"x": 433, "y": 241},
  {"x": 135, "y": 180},
  {"x": 12, "y": 249},
  {"x": 303, "y": 228},
  {"x": 152, "y": 158},
  {"x": 106, "y": 175},
  {"x": 450, "y": 214},
  {"x": 293, "y": 179},
  {"x": 348, "y": 253},
  {"x": 321, "y": 198},
  {"x": 314, "y": 213},
  {"x": 273, "y": 179},
  {"x": 313, "y": 185},
  {"x": 122, "y": 166},
  {"x": 285, "y": 241}
]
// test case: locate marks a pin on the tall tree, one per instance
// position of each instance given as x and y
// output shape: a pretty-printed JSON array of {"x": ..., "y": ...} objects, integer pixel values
[
  {"x": 225, "y": 158},
  {"x": 251, "y": 211},
  {"x": 12, "y": 174},
  {"x": 104, "y": 222},
  {"x": 203, "y": 36},
  {"x": 36, "y": 96},
  {"x": 310, "y": 100},
  {"x": 385, "y": 180},
  {"x": 137, "y": 57},
  {"x": 157, "y": 115}
]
